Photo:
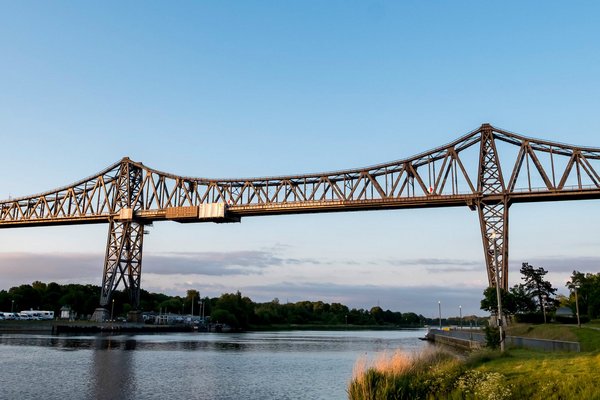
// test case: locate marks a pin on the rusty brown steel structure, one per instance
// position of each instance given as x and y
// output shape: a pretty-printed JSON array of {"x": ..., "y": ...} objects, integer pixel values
[{"x": 487, "y": 170}]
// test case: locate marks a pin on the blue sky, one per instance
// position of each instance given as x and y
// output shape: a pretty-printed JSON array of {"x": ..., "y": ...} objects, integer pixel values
[{"x": 255, "y": 88}]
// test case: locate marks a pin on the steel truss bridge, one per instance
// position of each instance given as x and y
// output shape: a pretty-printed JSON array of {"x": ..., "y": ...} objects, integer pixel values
[{"x": 486, "y": 170}]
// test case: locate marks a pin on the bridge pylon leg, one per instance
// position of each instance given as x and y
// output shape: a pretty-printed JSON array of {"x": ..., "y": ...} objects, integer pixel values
[
  {"x": 123, "y": 261},
  {"x": 493, "y": 219},
  {"x": 493, "y": 214}
]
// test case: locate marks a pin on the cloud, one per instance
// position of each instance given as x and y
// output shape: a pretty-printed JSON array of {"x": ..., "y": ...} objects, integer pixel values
[
  {"x": 433, "y": 261},
  {"x": 217, "y": 263},
  {"x": 50, "y": 266},
  {"x": 437, "y": 265},
  {"x": 564, "y": 263},
  {"x": 28, "y": 267}
]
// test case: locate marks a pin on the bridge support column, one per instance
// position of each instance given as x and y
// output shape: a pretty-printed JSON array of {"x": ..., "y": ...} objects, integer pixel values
[
  {"x": 123, "y": 261},
  {"x": 493, "y": 213},
  {"x": 493, "y": 219}
]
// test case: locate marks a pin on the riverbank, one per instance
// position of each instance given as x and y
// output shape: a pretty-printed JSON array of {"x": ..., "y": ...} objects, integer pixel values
[
  {"x": 58, "y": 327},
  {"x": 50, "y": 327},
  {"x": 488, "y": 374}
]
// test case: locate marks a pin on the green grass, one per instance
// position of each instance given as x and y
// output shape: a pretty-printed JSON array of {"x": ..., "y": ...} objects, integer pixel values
[
  {"x": 543, "y": 331},
  {"x": 535, "y": 375},
  {"x": 588, "y": 338},
  {"x": 588, "y": 335}
]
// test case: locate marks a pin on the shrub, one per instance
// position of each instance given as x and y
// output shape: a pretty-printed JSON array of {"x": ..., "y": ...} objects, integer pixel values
[
  {"x": 492, "y": 337},
  {"x": 531, "y": 318}
]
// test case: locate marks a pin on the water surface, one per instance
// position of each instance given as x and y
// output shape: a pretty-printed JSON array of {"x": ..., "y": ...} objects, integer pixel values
[{"x": 259, "y": 365}]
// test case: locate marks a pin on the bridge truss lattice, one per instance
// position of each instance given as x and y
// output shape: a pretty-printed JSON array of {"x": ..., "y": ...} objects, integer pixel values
[{"x": 486, "y": 170}]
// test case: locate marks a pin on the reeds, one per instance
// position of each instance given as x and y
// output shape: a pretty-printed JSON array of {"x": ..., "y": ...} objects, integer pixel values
[{"x": 402, "y": 375}]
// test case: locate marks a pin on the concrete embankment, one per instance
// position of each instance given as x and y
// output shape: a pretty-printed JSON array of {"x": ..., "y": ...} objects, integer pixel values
[
  {"x": 474, "y": 340},
  {"x": 469, "y": 341}
]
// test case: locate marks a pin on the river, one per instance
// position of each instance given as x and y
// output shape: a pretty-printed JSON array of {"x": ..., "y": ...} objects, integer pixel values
[{"x": 256, "y": 365}]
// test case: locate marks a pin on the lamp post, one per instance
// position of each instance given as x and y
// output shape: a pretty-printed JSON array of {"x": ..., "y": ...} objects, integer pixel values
[
  {"x": 544, "y": 301},
  {"x": 193, "y": 297},
  {"x": 460, "y": 313},
  {"x": 440, "y": 313},
  {"x": 577, "y": 307},
  {"x": 498, "y": 292},
  {"x": 112, "y": 309},
  {"x": 12, "y": 306}
]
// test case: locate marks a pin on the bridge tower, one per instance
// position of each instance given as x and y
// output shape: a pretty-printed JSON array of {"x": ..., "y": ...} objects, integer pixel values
[
  {"x": 493, "y": 211},
  {"x": 123, "y": 259}
]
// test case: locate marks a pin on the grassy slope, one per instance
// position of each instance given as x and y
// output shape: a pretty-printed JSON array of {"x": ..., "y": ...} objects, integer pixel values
[
  {"x": 544, "y": 375},
  {"x": 537, "y": 375}
]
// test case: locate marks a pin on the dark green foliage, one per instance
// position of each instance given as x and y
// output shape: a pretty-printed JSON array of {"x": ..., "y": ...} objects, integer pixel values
[
  {"x": 236, "y": 310},
  {"x": 571, "y": 320},
  {"x": 525, "y": 301},
  {"x": 492, "y": 337},
  {"x": 530, "y": 318},
  {"x": 537, "y": 289},
  {"x": 490, "y": 302},
  {"x": 588, "y": 293}
]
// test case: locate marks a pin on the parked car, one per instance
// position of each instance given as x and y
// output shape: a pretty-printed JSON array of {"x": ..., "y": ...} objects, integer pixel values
[{"x": 8, "y": 315}]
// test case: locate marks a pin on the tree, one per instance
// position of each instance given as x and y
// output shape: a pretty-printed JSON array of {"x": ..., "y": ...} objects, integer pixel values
[
  {"x": 538, "y": 289},
  {"x": 191, "y": 299},
  {"x": 378, "y": 315},
  {"x": 490, "y": 301},
  {"x": 588, "y": 293},
  {"x": 238, "y": 307},
  {"x": 522, "y": 301}
]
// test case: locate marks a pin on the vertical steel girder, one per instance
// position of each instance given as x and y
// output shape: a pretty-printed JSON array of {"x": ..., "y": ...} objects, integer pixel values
[
  {"x": 123, "y": 260},
  {"x": 493, "y": 213}
]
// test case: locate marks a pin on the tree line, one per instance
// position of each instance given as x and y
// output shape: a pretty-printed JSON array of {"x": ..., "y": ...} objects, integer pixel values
[
  {"x": 233, "y": 309},
  {"x": 535, "y": 300}
]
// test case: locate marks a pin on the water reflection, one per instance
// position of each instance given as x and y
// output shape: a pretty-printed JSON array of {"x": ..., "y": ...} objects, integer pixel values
[{"x": 112, "y": 373}]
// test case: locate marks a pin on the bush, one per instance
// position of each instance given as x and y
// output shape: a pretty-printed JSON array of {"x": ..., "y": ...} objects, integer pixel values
[
  {"x": 492, "y": 337},
  {"x": 530, "y": 318},
  {"x": 571, "y": 320}
]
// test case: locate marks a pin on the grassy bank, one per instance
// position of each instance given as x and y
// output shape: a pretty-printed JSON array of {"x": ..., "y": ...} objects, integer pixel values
[
  {"x": 516, "y": 374},
  {"x": 519, "y": 374}
]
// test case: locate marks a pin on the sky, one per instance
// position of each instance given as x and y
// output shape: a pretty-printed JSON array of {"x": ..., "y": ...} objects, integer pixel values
[{"x": 261, "y": 88}]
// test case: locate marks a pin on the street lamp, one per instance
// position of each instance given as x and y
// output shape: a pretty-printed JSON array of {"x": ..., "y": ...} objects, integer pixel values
[
  {"x": 440, "y": 313},
  {"x": 498, "y": 292},
  {"x": 460, "y": 313},
  {"x": 577, "y": 306},
  {"x": 112, "y": 309},
  {"x": 12, "y": 306},
  {"x": 543, "y": 297}
]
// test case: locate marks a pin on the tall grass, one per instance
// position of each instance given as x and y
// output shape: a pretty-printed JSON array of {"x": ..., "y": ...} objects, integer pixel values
[{"x": 403, "y": 375}]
